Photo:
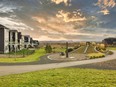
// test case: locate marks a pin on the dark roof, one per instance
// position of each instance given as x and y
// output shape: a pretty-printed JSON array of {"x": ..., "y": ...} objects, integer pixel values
[
  {"x": 109, "y": 40},
  {"x": 2, "y": 26},
  {"x": 35, "y": 41},
  {"x": 13, "y": 31},
  {"x": 26, "y": 36}
]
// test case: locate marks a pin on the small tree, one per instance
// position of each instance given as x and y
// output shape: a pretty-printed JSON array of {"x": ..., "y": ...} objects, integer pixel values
[
  {"x": 67, "y": 55},
  {"x": 48, "y": 48}
]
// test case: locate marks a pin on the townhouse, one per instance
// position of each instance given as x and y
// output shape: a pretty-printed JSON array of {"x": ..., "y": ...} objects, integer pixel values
[
  {"x": 12, "y": 40},
  {"x": 35, "y": 43},
  {"x": 4, "y": 39},
  {"x": 27, "y": 40}
]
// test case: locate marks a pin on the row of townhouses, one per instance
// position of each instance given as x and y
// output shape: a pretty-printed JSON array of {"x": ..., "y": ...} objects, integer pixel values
[{"x": 12, "y": 40}]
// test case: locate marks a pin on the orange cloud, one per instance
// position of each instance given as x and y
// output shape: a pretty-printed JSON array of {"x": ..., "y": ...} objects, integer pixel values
[
  {"x": 53, "y": 25},
  {"x": 66, "y": 2},
  {"x": 70, "y": 17},
  {"x": 105, "y": 5},
  {"x": 104, "y": 11}
]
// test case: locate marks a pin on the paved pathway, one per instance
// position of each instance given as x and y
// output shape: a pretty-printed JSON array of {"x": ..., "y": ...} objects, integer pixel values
[{"x": 6, "y": 70}]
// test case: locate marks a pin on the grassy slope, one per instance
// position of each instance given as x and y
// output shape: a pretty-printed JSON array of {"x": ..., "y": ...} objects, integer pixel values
[
  {"x": 68, "y": 77},
  {"x": 80, "y": 50},
  {"x": 59, "y": 50},
  {"x": 91, "y": 49},
  {"x": 30, "y": 58}
]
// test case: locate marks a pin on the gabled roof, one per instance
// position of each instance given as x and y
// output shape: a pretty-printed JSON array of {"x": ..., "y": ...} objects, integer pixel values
[{"x": 3, "y": 27}]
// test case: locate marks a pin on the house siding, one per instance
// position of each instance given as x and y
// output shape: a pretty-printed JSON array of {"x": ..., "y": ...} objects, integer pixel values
[
  {"x": 6, "y": 41},
  {"x": 1, "y": 40}
]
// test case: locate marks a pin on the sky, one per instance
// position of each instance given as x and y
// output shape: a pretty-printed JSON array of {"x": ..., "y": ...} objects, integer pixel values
[{"x": 54, "y": 20}]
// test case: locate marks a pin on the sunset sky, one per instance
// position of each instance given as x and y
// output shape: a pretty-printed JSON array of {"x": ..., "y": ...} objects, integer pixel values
[{"x": 77, "y": 20}]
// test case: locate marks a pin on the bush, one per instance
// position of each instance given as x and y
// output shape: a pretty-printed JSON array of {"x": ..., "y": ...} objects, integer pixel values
[
  {"x": 48, "y": 48},
  {"x": 70, "y": 49},
  {"x": 62, "y": 54},
  {"x": 110, "y": 52},
  {"x": 95, "y": 55},
  {"x": 76, "y": 47}
]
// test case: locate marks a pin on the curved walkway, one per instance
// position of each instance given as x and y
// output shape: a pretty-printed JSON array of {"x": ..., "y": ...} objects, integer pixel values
[{"x": 6, "y": 70}]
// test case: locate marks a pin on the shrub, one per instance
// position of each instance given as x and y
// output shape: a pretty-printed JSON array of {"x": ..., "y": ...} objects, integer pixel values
[
  {"x": 62, "y": 54},
  {"x": 110, "y": 52},
  {"x": 95, "y": 55},
  {"x": 76, "y": 47},
  {"x": 48, "y": 48},
  {"x": 70, "y": 49}
]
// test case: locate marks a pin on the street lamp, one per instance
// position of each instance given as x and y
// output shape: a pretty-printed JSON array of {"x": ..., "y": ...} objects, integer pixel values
[{"x": 67, "y": 55}]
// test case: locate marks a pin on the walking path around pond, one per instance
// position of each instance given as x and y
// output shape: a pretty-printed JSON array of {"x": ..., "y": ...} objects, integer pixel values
[{"x": 16, "y": 69}]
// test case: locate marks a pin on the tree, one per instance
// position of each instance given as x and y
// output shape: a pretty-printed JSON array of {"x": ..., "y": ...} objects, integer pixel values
[{"x": 48, "y": 48}]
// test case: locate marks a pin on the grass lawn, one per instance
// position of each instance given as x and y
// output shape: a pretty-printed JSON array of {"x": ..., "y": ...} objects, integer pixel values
[
  {"x": 67, "y": 77},
  {"x": 59, "y": 50},
  {"x": 112, "y": 48},
  {"x": 24, "y": 51},
  {"x": 30, "y": 58}
]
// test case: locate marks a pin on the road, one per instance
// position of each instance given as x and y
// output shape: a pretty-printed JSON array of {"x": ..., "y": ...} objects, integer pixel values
[{"x": 16, "y": 69}]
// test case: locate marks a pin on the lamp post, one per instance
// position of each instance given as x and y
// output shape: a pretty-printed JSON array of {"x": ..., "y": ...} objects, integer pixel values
[{"x": 67, "y": 55}]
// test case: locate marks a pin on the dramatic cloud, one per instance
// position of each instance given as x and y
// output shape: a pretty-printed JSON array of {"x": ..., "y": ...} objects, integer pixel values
[
  {"x": 70, "y": 17},
  {"x": 105, "y": 5},
  {"x": 53, "y": 25},
  {"x": 66, "y": 2},
  {"x": 104, "y": 11},
  {"x": 60, "y": 19},
  {"x": 14, "y": 24}
]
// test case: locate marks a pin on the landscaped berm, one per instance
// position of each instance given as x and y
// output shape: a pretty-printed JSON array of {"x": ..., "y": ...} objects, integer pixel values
[{"x": 82, "y": 52}]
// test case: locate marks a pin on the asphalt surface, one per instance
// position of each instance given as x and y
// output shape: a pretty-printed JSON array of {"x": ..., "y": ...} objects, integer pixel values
[{"x": 107, "y": 65}]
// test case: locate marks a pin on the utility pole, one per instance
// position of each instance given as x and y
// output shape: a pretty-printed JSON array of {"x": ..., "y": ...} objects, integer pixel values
[{"x": 67, "y": 55}]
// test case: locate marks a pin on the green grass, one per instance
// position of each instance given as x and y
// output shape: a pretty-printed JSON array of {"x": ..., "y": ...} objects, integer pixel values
[
  {"x": 112, "y": 48},
  {"x": 31, "y": 58},
  {"x": 91, "y": 49},
  {"x": 68, "y": 77},
  {"x": 24, "y": 51},
  {"x": 59, "y": 50},
  {"x": 80, "y": 50}
]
